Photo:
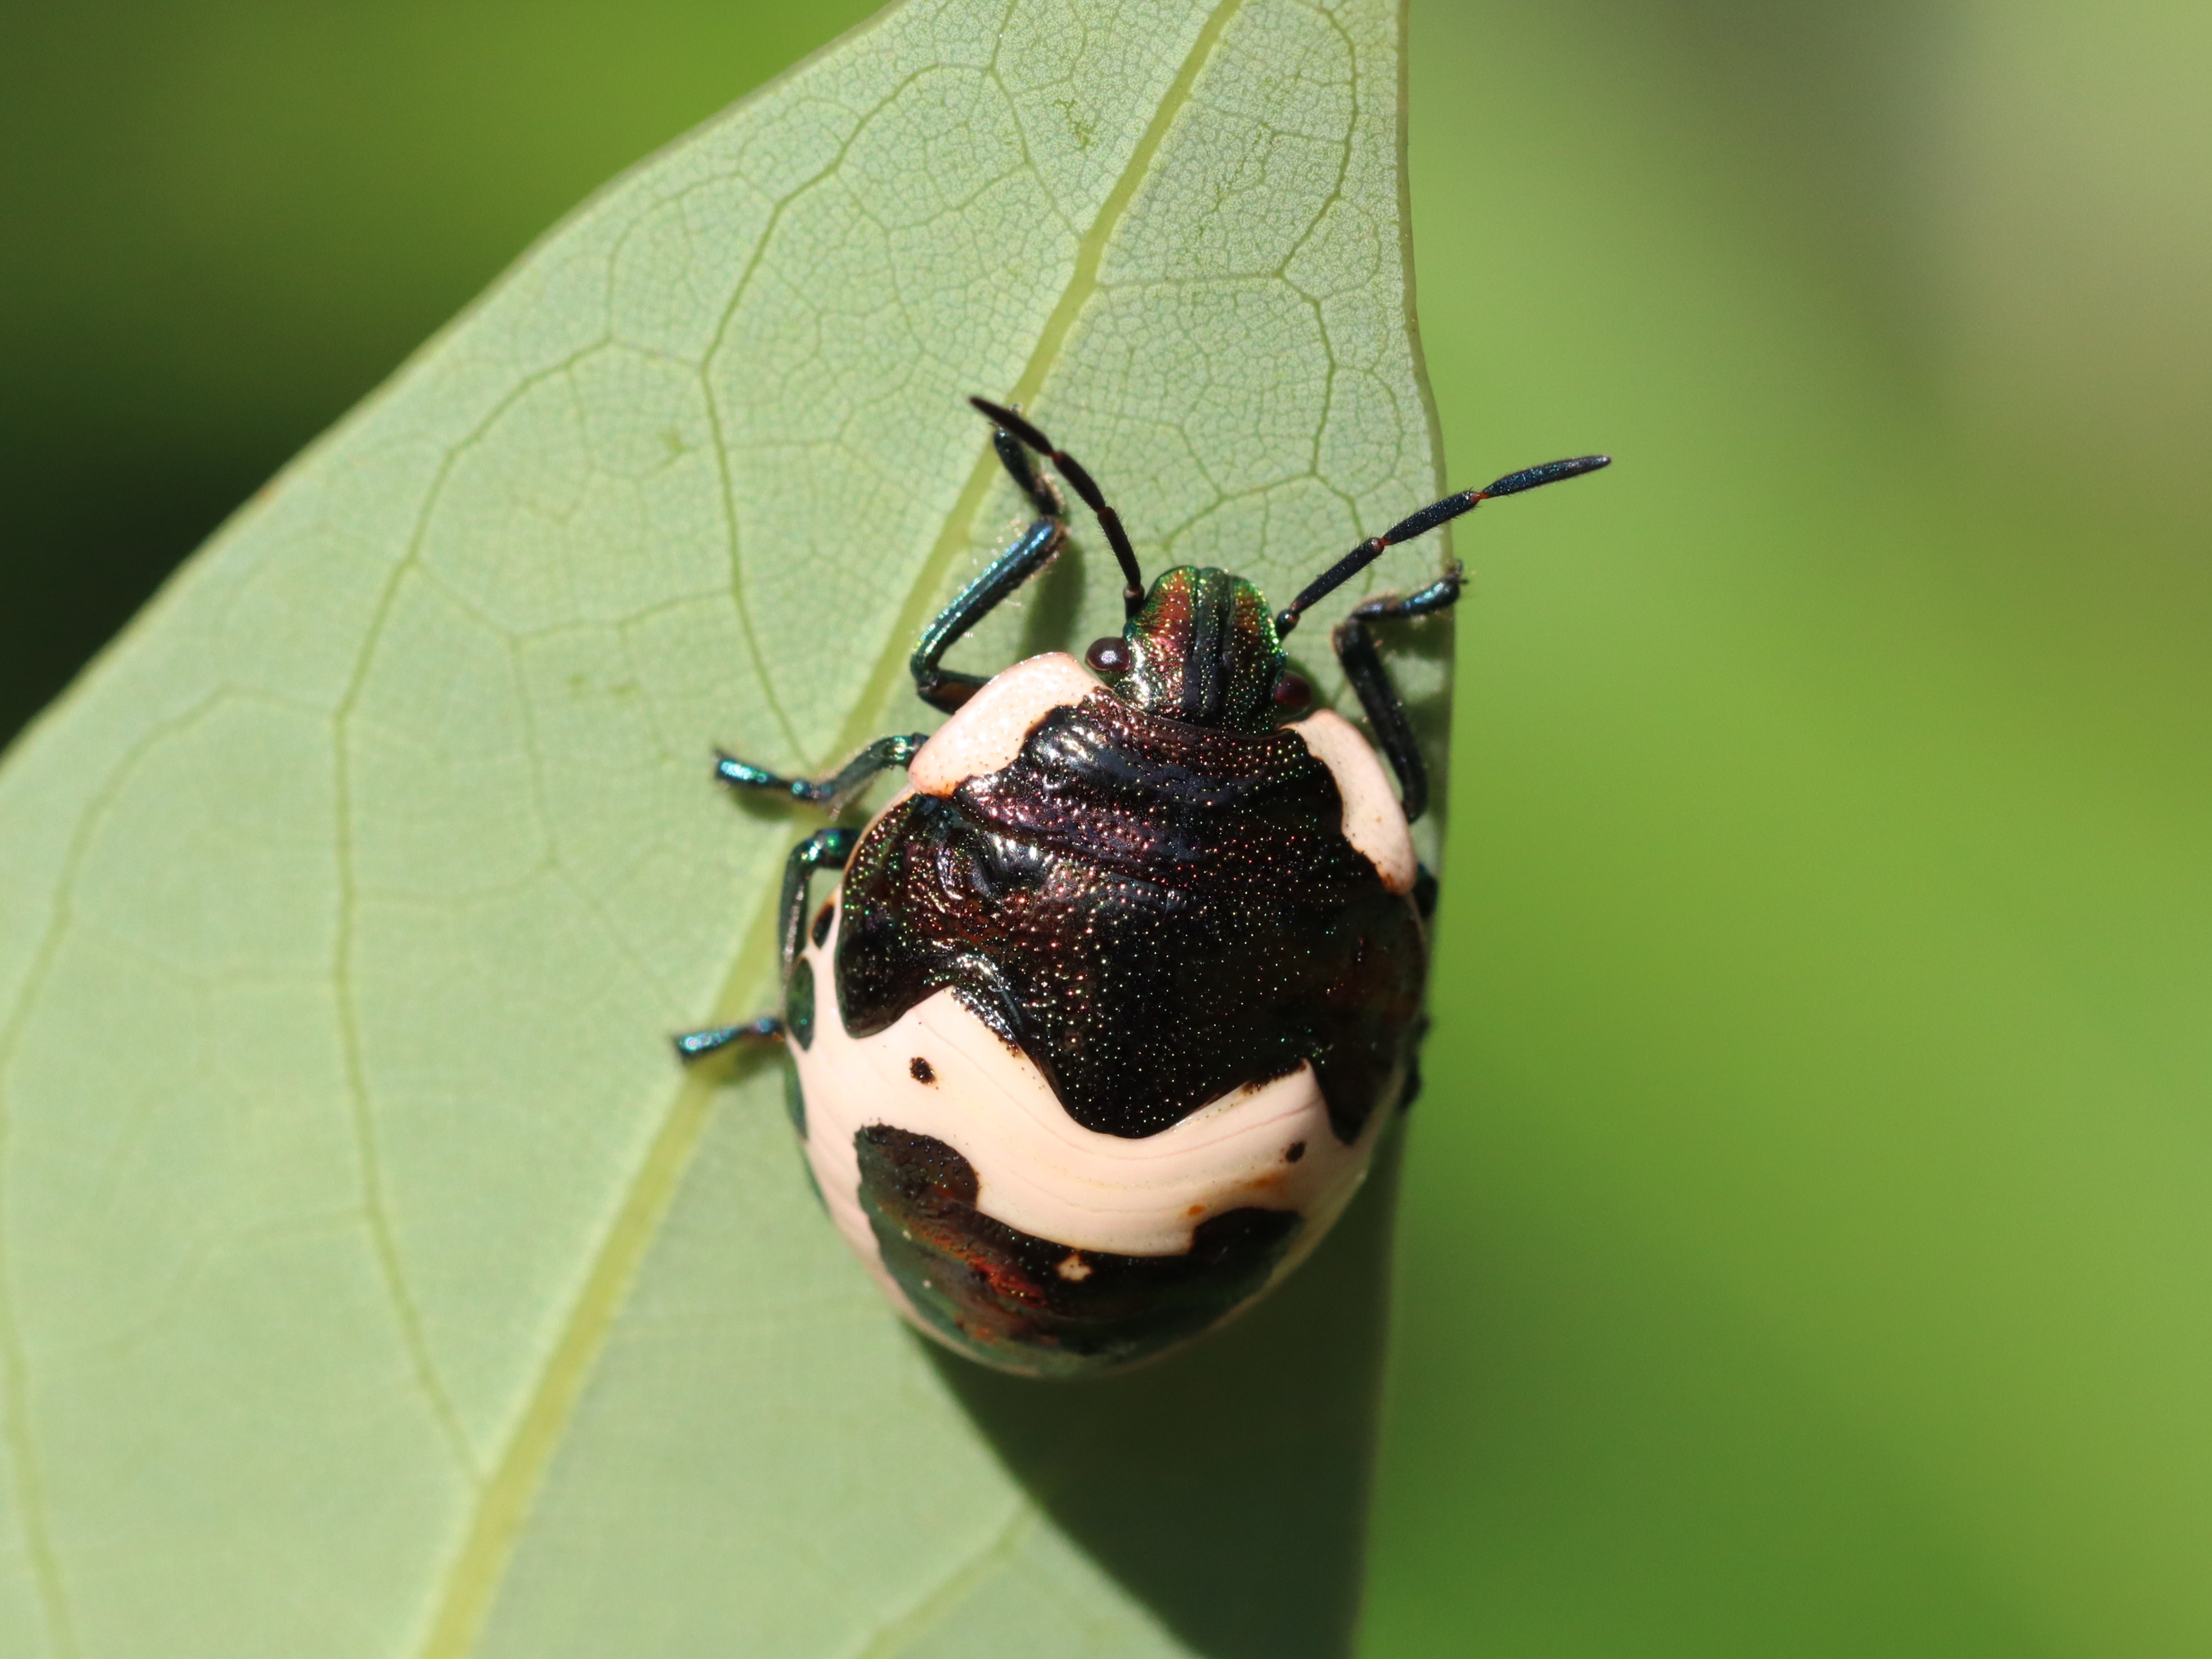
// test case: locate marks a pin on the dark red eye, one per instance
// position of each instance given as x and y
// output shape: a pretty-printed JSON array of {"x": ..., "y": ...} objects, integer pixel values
[
  {"x": 1292, "y": 691},
  {"x": 1109, "y": 655}
]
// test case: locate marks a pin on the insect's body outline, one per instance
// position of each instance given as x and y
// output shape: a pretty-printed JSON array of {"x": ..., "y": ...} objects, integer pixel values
[{"x": 1098, "y": 1031}]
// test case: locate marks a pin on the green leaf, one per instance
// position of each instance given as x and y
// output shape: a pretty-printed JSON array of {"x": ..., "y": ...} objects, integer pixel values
[{"x": 371, "y": 1280}]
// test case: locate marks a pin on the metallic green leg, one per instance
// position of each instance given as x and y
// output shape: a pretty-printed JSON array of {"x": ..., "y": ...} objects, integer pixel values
[{"x": 1354, "y": 640}]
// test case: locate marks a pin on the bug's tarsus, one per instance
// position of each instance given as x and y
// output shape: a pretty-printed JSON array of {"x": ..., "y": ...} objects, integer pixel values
[
  {"x": 698, "y": 1045},
  {"x": 825, "y": 849},
  {"x": 830, "y": 793},
  {"x": 1363, "y": 667},
  {"x": 1011, "y": 422},
  {"x": 1421, "y": 523}
]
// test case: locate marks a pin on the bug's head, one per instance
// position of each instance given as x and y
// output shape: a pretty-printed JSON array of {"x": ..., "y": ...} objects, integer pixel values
[
  {"x": 1201, "y": 649},
  {"x": 1199, "y": 645}
]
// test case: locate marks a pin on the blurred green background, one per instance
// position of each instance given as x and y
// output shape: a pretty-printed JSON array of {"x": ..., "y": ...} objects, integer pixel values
[{"x": 1807, "y": 1243}]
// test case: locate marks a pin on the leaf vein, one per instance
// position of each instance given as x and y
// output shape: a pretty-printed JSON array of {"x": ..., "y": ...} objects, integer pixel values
[
  {"x": 959, "y": 1582},
  {"x": 1082, "y": 283},
  {"x": 384, "y": 1243},
  {"x": 503, "y": 1504},
  {"x": 15, "y": 1430},
  {"x": 782, "y": 205}
]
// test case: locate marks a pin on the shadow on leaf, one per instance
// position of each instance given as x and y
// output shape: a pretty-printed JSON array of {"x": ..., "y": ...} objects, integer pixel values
[{"x": 1225, "y": 1486}]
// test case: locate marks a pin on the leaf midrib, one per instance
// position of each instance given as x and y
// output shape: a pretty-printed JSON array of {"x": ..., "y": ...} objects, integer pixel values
[{"x": 503, "y": 1504}]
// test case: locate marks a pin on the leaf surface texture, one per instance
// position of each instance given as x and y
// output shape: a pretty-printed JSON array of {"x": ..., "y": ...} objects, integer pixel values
[{"x": 371, "y": 1281}]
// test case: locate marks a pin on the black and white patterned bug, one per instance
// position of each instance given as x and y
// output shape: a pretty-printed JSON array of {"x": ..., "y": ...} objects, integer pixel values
[{"x": 1095, "y": 1036}]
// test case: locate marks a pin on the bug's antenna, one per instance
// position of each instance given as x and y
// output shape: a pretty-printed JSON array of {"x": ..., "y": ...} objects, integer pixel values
[
  {"x": 1133, "y": 591},
  {"x": 1428, "y": 519}
]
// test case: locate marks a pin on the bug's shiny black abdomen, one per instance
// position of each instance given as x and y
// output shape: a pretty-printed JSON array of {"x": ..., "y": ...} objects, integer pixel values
[
  {"x": 1156, "y": 913},
  {"x": 991, "y": 1290}
]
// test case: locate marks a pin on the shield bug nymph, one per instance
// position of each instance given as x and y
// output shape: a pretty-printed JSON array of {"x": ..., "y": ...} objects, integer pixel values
[{"x": 1096, "y": 1035}]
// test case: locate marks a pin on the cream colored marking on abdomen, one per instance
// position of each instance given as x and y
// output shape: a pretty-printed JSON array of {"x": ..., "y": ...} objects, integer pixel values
[
  {"x": 987, "y": 731},
  {"x": 1373, "y": 820},
  {"x": 1040, "y": 1171}
]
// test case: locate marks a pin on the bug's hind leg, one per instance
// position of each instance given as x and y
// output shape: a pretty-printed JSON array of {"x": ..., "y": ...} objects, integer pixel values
[
  {"x": 698, "y": 1045},
  {"x": 1354, "y": 638},
  {"x": 947, "y": 689},
  {"x": 825, "y": 849},
  {"x": 830, "y": 793}
]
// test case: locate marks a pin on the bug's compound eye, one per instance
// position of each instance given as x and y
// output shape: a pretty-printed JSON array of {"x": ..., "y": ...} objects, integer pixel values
[
  {"x": 1291, "y": 692},
  {"x": 1109, "y": 655}
]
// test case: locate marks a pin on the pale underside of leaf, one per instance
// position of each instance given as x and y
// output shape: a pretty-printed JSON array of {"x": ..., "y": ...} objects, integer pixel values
[{"x": 370, "y": 1283}]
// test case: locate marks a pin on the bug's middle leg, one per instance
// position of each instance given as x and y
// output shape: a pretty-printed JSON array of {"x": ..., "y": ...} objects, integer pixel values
[
  {"x": 830, "y": 793},
  {"x": 825, "y": 849},
  {"x": 1354, "y": 640},
  {"x": 947, "y": 689}
]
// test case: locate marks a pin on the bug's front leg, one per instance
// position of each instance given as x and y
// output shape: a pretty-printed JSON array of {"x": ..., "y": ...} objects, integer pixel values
[
  {"x": 1354, "y": 640},
  {"x": 825, "y": 849},
  {"x": 947, "y": 689}
]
